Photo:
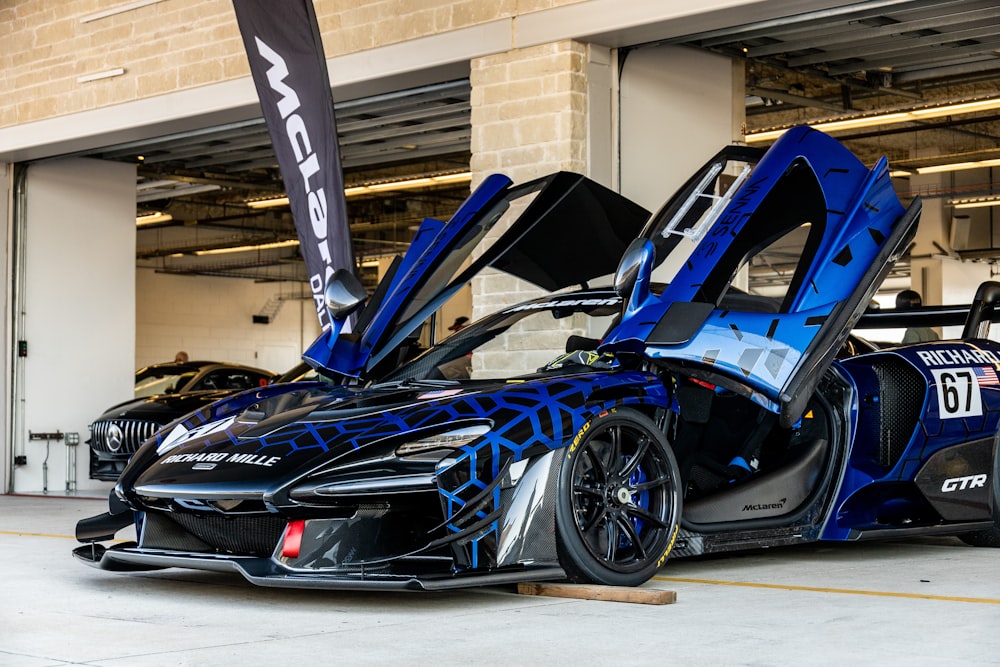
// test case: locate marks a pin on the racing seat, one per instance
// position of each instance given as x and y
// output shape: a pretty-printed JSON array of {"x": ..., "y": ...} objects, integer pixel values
[
  {"x": 719, "y": 437},
  {"x": 578, "y": 343}
]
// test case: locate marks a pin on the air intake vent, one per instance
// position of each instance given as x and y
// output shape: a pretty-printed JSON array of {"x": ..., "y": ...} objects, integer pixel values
[
  {"x": 902, "y": 390},
  {"x": 240, "y": 535}
]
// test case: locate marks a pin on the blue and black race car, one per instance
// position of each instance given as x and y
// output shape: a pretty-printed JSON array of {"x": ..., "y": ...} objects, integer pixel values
[{"x": 679, "y": 416}]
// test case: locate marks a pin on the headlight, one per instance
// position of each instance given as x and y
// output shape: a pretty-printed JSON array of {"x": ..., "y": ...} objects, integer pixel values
[{"x": 450, "y": 440}]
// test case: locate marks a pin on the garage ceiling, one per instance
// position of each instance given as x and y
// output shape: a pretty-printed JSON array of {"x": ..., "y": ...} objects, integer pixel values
[
  {"x": 203, "y": 180},
  {"x": 874, "y": 56},
  {"x": 847, "y": 62}
]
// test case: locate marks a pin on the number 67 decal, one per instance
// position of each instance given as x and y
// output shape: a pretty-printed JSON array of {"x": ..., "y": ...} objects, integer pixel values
[{"x": 958, "y": 392}]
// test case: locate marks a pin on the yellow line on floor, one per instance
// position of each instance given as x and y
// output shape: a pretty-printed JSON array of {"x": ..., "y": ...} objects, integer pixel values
[
  {"x": 27, "y": 534},
  {"x": 818, "y": 589},
  {"x": 712, "y": 582}
]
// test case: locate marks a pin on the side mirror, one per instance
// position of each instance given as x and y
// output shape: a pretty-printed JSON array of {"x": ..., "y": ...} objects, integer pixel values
[
  {"x": 632, "y": 277},
  {"x": 344, "y": 294}
]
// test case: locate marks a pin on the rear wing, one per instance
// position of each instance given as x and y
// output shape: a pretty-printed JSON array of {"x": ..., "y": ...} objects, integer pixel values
[{"x": 975, "y": 318}]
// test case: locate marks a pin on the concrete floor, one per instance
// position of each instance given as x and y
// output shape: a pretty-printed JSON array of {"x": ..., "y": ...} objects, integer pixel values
[{"x": 915, "y": 602}]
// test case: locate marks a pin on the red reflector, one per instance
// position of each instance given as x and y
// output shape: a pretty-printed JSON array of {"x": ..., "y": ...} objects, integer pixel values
[{"x": 293, "y": 539}]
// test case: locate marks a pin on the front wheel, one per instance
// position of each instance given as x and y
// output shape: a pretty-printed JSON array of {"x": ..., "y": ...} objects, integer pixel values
[{"x": 619, "y": 501}]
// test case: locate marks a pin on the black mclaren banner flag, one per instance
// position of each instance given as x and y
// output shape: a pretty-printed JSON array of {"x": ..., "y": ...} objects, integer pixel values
[{"x": 289, "y": 70}]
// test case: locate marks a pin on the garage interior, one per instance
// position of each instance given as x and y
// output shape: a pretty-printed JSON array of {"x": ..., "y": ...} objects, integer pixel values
[{"x": 917, "y": 81}]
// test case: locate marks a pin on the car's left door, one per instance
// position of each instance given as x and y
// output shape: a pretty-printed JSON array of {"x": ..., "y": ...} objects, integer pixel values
[{"x": 809, "y": 210}]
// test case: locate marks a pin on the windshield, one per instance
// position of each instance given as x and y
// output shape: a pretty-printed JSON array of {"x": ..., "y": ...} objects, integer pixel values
[
  {"x": 472, "y": 244},
  {"x": 519, "y": 340},
  {"x": 165, "y": 381}
]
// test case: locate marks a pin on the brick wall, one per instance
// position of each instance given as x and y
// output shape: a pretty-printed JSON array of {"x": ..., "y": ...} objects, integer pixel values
[
  {"x": 177, "y": 44},
  {"x": 529, "y": 111},
  {"x": 529, "y": 118}
]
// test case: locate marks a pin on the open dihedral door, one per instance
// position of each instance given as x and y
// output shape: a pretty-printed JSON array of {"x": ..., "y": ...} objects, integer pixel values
[
  {"x": 836, "y": 227},
  {"x": 555, "y": 232}
]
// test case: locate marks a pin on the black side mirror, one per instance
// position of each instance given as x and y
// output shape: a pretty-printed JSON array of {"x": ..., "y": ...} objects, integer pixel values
[
  {"x": 344, "y": 294},
  {"x": 634, "y": 270}
]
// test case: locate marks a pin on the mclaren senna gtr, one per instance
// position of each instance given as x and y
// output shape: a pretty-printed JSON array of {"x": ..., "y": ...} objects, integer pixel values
[{"x": 680, "y": 415}]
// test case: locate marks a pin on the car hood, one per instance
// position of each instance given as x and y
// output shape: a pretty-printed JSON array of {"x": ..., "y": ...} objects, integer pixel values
[
  {"x": 163, "y": 408},
  {"x": 548, "y": 225},
  {"x": 254, "y": 444},
  {"x": 287, "y": 430}
]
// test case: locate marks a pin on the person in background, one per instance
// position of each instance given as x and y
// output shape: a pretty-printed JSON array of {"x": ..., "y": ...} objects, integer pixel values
[
  {"x": 181, "y": 357},
  {"x": 910, "y": 300}
]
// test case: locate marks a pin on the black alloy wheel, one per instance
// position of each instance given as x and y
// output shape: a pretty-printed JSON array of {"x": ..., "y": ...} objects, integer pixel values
[{"x": 619, "y": 501}]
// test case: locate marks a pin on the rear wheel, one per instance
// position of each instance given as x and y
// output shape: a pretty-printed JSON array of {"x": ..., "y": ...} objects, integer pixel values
[{"x": 619, "y": 501}]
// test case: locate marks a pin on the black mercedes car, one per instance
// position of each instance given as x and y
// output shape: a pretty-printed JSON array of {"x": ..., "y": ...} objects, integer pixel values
[{"x": 163, "y": 392}]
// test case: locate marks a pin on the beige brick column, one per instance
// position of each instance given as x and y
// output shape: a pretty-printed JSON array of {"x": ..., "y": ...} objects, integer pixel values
[
  {"x": 529, "y": 115},
  {"x": 529, "y": 111},
  {"x": 529, "y": 118}
]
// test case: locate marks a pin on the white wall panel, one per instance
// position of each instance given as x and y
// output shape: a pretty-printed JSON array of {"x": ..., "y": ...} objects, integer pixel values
[
  {"x": 79, "y": 309},
  {"x": 677, "y": 110},
  {"x": 6, "y": 456},
  {"x": 212, "y": 318}
]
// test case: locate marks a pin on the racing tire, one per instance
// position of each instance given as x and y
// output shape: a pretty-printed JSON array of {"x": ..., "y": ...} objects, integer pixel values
[{"x": 618, "y": 505}]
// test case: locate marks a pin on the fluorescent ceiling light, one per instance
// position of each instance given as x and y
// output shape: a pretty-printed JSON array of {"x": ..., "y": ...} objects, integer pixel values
[
  {"x": 397, "y": 185},
  {"x": 373, "y": 188},
  {"x": 268, "y": 203},
  {"x": 248, "y": 248},
  {"x": 409, "y": 184},
  {"x": 958, "y": 166},
  {"x": 890, "y": 118},
  {"x": 182, "y": 190},
  {"x": 975, "y": 202},
  {"x": 152, "y": 218}
]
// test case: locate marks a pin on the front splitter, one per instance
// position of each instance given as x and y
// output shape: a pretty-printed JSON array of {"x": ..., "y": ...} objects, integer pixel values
[{"x": 266, "y": 572}]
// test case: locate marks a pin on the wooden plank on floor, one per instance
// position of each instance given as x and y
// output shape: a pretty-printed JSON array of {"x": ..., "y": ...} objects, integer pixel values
[{"x": 595, "y": 592}]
